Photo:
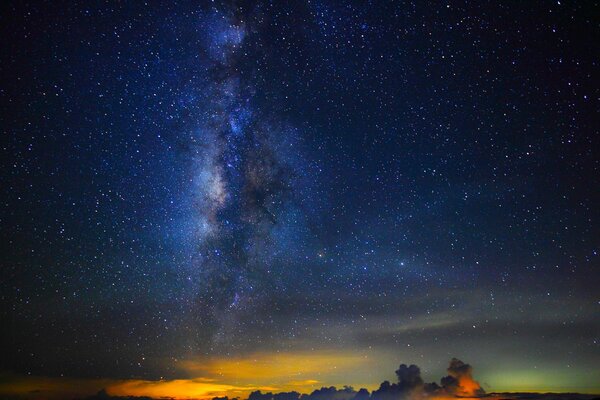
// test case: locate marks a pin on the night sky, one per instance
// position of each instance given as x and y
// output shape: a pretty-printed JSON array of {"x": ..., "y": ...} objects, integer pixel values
[{"x": 293, "y": 194}]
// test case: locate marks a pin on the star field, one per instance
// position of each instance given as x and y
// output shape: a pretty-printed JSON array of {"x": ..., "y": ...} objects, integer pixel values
[{"x": 185, "y": 183}]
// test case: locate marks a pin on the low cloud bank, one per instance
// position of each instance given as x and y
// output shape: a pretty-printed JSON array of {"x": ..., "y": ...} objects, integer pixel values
[{"x": 409, "y": 385}]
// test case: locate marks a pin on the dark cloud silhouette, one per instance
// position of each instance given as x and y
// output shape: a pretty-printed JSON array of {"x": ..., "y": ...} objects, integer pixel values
[
  {"x": 545, "y": 396},
  {"x": 331, "y": 393},
  {"x": 458, "y": 383},
  {"x": 362, "y": 394},
  {"x": 410, "y": 384},
  {"x": 258, "y": 395},
  {"x": 409, "y": 377},
  {"x": 286, "y": 396},
  {"x": 324, "y": 393}
]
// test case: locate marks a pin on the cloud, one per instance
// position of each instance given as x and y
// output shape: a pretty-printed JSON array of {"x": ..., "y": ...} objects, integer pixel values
[
  {"x": 324, "y": 393},
  {"x": 409, "y": 385},
  {"x": 460, "y": 381},
  {"x": 409, "y": 382},
  {"x": 331, "y": 393}
]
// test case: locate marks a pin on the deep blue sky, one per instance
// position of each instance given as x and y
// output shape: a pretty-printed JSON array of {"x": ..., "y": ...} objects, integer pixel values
[{"x": 191, "y": 180}]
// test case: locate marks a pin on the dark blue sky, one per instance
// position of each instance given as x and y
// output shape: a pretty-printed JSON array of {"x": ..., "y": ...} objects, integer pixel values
[{"x": 186, "y": 181}]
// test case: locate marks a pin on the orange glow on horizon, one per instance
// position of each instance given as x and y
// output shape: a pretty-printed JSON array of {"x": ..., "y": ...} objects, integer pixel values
[
  {"x": 468, "y": 387},
  {"x": 180, "y": 389},
  {"x": 204, "y": 379},
  {"x": 288, "y": 369}
]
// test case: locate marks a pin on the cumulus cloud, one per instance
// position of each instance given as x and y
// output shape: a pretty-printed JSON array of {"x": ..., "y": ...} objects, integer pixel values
[
  {"x": 460, "y": 380},
  {"x": 324, "y": 393},
  {"x": 409, "y": 385},
  {"x": 459, "y": 384}
]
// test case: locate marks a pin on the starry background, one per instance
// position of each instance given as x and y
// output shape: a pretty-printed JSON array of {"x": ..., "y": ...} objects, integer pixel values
[{"x": 398, "y": 181}]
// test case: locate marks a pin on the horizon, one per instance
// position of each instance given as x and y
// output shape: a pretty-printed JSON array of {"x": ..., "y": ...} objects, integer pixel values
[
  {"x": 460, "y": 383},
  {"x": 212, "y": 198}
]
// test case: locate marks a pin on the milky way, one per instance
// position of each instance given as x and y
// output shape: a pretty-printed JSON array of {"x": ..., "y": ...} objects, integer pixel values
[{"x": 247, "y": 184}]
